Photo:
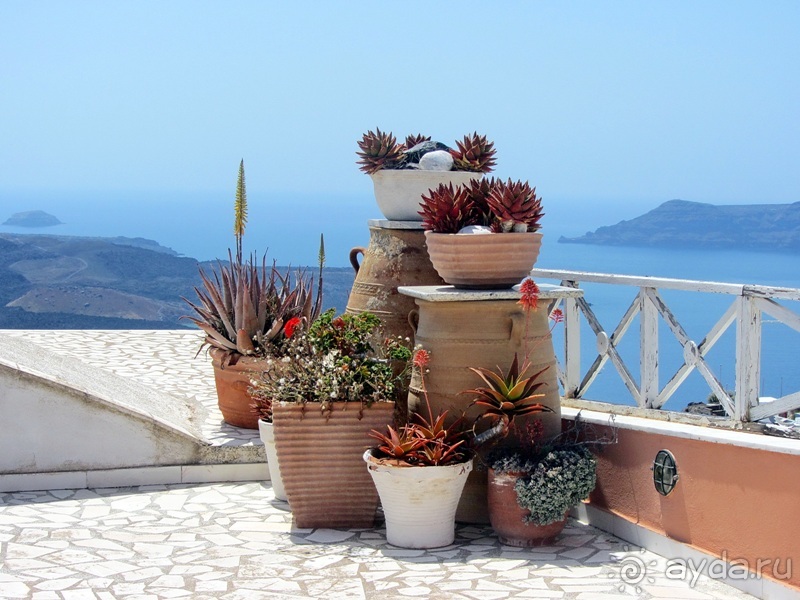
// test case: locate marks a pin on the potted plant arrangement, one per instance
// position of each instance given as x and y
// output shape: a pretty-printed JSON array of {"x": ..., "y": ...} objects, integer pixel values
[
  {"x": 534, "y": 483},
  {"x": 337, "y": 381},
  {"x": 244, "y": 307},
  {"x": 483, "y": 234},
  {"x": 402, "y": 172},
  {"x": 420, "y": 470}
]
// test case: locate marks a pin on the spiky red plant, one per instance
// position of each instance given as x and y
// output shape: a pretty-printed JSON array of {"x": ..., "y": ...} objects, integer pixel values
[
  {"x": 446, "y": 209},
  {"x": 516, "y": 205},
  {"x": 379, "y": 150},
  {"x": 474, "y": 153}
]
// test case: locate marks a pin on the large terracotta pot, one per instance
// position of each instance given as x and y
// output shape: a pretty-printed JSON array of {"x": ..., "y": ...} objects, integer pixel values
[
  {"x": 398, "y": 192},
  {"x": 232, "y": 382},
  {"x": 483, "y": 261},
  {"x": 395, "y": 256},
  {"x": 320, "y": 456},
  {"x": 487, "y": 334},
  {"x": 508, "y": 517},
  {"x": 419, "y": 503}
]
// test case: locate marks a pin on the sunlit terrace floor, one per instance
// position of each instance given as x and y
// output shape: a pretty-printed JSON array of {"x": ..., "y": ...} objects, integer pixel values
[{"x": 234, "y": 540}]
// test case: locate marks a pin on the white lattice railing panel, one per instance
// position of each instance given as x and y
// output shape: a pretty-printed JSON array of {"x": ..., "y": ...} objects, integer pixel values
[{"x": 749, "y": 303}]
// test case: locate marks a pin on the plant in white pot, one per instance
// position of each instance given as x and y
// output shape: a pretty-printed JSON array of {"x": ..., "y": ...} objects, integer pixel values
[
  {"x": 243, "y": 307},
  {"x": 483, "y": 234},
  {"x": 402, "y": 172},
  {"x": 337, "y": 382}
]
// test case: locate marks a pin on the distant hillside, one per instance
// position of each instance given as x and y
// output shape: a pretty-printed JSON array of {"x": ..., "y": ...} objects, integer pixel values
[
  {"x": 66, "y": 282},
  {"x": 32, "y": 218},
  {"x": 679, "y": 223}
]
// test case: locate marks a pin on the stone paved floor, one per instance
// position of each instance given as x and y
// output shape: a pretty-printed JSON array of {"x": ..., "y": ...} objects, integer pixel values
[
  {"x": 160, "y": 359},
  {"x": 235, "y": 541}
]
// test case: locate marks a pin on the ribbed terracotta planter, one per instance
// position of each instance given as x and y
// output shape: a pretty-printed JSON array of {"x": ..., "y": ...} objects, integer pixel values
[
  {"x": 399, "y": 192},
  {"x": 267, "y": 434},
  {"x": 483, "y": 261},
  {"x": 232, "y": 382},
  {"x": 419, "y": 503},
  {"x": 320, "y": 456},
  {"x": 508, "y": 517}
]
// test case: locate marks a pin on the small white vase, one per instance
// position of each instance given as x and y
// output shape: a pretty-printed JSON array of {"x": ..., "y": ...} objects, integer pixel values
[
  {"x": 419, "y": 503},
  {"x": 399, "y": 192},
  {"x": 268, "y": 437}
]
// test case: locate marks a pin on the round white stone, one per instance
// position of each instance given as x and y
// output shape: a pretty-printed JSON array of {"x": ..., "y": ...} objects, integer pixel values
[
  {"x": 479, "y": 229},
  {"x": 438, "y": 160}
]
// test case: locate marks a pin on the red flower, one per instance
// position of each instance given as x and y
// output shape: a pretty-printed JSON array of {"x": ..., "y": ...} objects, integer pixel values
[
  {"x": 421, "y": 358},
  {"x": 291, "y": 325},
  {"x": 557, "y": 315},
  {"x": 529, "y": 293}
]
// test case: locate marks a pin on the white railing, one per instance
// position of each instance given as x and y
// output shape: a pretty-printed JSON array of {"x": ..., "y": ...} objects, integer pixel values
[{"x": 749, "y": 304}]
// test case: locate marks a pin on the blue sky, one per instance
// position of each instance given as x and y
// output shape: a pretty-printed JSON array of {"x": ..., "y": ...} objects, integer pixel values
[{"x": 635, "y": 102}]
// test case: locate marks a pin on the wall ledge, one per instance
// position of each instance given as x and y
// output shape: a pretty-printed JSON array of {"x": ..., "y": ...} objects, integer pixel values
[{"x": 677, "y": 425}]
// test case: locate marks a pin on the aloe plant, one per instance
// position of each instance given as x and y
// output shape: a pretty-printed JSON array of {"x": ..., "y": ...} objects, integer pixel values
[{"x": 244, "y": 306}]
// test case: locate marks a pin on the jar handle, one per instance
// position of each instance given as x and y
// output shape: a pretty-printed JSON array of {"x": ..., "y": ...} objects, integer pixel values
[
  {"x": 413, "y": 319},
  {"x": 354, "y": 257}
]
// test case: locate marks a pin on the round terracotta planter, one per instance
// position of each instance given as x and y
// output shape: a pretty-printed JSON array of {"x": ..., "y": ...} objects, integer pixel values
[
  {"x": 267, "y": 434},
  {"x": 320, "y": 456},
  {"x": 398, "y": 192},
  {"x": 483, "y": 261},
  {"x": 232, "y": 382},
  {"x": 508, "y": 518},
  {"x": 419, "y": 503}
]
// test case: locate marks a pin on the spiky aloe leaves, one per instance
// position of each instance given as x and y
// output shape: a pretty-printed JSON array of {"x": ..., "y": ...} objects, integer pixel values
[
  {"x": 515, "y": 205},
  {"x": 379, "y": 150},
  {"x": 474, "y": 153},
  {"x": 508, "y": 395},
  {"x": 446, "y": 209}
]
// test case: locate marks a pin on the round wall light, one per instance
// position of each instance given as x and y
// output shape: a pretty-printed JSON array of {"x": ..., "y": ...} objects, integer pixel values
[{"x": 665, "y": 472}]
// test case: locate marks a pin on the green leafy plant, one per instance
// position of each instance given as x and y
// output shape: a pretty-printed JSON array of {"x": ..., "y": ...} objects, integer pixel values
[
  {"x": 337, "y": 358},
  {"x": 243, "y": 306}
]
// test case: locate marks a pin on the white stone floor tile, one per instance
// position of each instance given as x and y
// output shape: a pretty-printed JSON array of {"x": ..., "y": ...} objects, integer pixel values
[{"x": 233, "y": 540}]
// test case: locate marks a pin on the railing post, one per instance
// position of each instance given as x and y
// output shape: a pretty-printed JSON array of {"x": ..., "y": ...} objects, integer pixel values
[
  {"x": 572, "y": 344},
  {"x": 748, "y": 357},
  {"x": 648, "y": 349}
]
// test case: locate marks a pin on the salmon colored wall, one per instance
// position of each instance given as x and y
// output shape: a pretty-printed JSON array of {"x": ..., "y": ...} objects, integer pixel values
[{"x": 740, "y": 501}]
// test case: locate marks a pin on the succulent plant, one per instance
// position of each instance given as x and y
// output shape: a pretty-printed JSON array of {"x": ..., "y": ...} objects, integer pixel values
[
  {"x": 379, "y": 151},
  {"x": 446, "y": 209},
  {"x": 516, "y": 206},
  {"x": 507, "y": 396},
  {"x": 474, "y": 153},
  {"x": 413, "y": 140},
  {"x": 478, "y": 191}
]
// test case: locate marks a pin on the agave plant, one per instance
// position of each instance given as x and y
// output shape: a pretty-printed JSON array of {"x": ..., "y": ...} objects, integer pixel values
[
  {"x": 413, "y": 140},
  {"x": 379, "y": 150},
  {"x": 244, "y": 308},
  {"x": 515, "y": 205},
  {"x": 474, "y": 153},
  {"x": 507, "y": 396}
]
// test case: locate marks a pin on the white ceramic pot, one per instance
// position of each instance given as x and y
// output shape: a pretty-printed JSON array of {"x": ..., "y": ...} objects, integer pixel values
[
  {"x": 268, "y": 437},
  {"x": 419, "y": 503},
  {"x": 398, "y": 191}
]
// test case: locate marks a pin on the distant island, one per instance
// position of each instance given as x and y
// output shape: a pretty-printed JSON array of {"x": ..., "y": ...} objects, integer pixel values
[
  {"x": 684, "y": 224},
  {"x": 32, "y": 218}
]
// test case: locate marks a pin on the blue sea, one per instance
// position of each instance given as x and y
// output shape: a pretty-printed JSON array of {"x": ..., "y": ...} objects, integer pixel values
[{"x": 288, "y": 227}]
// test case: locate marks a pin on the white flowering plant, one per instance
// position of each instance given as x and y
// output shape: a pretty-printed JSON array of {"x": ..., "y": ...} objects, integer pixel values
[{"x": 336, "y": 359}]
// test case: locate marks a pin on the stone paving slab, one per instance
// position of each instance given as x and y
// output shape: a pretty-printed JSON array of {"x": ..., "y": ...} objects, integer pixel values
[
  {"x": 160, "y": 359},
  {"x": 235, "y": 541}
]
